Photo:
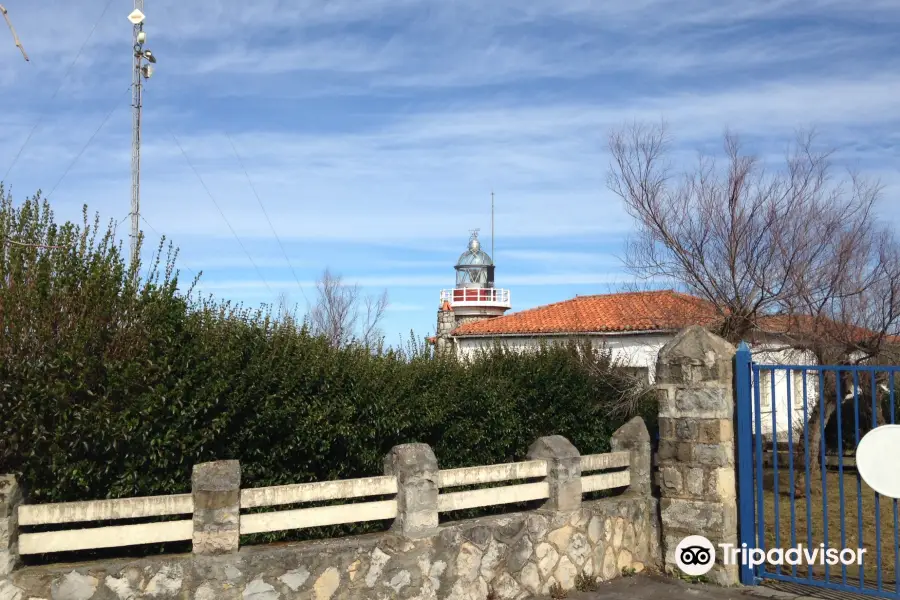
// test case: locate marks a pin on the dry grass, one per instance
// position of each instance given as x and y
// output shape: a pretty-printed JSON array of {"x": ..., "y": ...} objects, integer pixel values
[{"x": 868, "y": 528}]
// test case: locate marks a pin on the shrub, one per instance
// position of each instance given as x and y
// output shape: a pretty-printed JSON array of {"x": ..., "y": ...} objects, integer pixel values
[{"x": 114, "y": 386}]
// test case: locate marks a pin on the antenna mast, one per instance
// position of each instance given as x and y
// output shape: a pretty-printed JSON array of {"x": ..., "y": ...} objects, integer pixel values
[
  {"x": 136, "y": 130},
  {"x": 139, "y": 72}
]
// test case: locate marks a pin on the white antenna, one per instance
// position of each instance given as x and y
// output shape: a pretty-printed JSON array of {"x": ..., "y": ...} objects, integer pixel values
[
  {"x": 141, "y": 71},
  {"x": 13, "y": 31}
]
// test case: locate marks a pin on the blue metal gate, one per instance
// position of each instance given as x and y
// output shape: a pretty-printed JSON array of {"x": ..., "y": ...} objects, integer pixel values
[{"x": 797, "y": 481}]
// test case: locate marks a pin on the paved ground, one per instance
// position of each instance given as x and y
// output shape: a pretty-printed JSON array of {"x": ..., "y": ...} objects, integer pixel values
[{"x": 653, "y": 588}]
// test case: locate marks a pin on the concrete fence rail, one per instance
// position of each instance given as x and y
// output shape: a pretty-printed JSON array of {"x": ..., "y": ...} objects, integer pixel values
[
  {"x": 88, "y": 538},
  {"x": 105, "y": 510},
  {"x": 492, "y": 473},
  {"x": 318, "y": 516},
  {"x": 557, "y": 540},
  {"x": 319, "y": 491},
  {"x": 115, "y": 536}
]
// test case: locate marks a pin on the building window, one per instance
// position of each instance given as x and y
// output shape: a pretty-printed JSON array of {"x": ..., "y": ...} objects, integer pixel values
[
  {"x": 797, "y": 391},
  {"x": 765, "y": 389}
]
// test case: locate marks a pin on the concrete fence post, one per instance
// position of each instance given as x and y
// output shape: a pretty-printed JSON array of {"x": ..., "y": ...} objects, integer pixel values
[
  {"x": 696, "y": 445},
  {"x": 416, "y": 470},
  {"x": 216, "y": 490},
  {"x": 10, "y": 499},
  {"x": 563, "y": 472},
  {"x": 634, "y": 438}
]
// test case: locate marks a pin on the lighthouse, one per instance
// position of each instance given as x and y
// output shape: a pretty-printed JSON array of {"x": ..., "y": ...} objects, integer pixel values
[{"x": 474, "y": 298}]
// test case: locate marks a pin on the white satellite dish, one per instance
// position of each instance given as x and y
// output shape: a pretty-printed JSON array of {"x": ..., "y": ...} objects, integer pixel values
[
  {"x": 136, "y": 17},
  {"x": 875, "y": 457}
]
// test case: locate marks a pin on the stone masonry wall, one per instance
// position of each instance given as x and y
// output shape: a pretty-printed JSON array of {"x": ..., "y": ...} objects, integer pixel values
[
  {"x": 446, "y": 322},
  {"x": 514, "y": 555},
  {"x": 696, "y": 445},
  {"x": 10, "y": 497}
]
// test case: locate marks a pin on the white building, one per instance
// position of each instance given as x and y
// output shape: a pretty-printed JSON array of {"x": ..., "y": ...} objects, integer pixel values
[{"x": 632, "y": 326}]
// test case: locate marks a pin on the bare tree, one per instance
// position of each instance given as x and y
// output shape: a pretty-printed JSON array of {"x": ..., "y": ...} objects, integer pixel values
[
  {"x": 792, "y": 253},
  {"x": 344, "y": 315}
]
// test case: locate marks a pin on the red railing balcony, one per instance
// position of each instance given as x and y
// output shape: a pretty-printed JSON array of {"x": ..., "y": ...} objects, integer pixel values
[{"x": 476, "y": 297}]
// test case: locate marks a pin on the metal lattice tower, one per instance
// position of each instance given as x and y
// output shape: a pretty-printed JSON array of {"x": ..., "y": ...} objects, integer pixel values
[
  {"x": 140, "y": 72},
  {"x": 136, "y": 133}
]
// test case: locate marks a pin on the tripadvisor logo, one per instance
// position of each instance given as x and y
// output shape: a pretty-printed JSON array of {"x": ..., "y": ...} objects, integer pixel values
[{"x": 695, "y": 555}]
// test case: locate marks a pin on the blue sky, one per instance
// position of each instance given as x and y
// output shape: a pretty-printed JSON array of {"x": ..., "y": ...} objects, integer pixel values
[{"x": 375, "y": 130}]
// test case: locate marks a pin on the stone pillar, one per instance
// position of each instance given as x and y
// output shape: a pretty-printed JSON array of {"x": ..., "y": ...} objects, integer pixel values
[
  {"x": 696, "y": 446},
  {"x": 416, "y": 470},
  {"x": 216, "y": 490},
  {"x": 634, "y": 438},
  {"x": 563, "y": 472},
  {"x": 10, "y": 499},
  {"x": 446, "y": 322}
]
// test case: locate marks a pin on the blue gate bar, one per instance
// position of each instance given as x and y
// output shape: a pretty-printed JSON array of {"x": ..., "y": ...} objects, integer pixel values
[
  {"x": 777, "y": 503},
  {"x": 824, "y": 467},
  {"x": 760, "y": 507},
  {"x": 859, "y": 521},
  {"x": 834, "y": 368},
  {"x": 894, "y": 501},
  {"x": 806, "y": 464},
  {"x": 831, "y": 586},
  {"x": 875, "y": 411},
  {"x": 838, "y": 411},
  {"x": 742, "y": 362},
  {"x": 790, "y": 428},
  {"x": 750, "y": 386}
]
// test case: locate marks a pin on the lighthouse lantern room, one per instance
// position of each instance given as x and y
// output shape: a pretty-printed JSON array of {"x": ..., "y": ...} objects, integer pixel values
[
  {"x": 475, "y": 294},
  {"x": 473, "y": 299}
]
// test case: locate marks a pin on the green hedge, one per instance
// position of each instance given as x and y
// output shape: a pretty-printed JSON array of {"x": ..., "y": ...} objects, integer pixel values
[{"x": 111, "y": 388}]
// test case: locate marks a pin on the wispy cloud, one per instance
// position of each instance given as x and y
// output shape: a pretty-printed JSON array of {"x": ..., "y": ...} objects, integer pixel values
[
  {"x": 375, "y": 131},
  {"x": 434, "y": 282}
]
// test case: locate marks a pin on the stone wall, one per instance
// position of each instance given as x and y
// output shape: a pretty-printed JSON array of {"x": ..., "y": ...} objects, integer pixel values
[
  {"x": 696, "y": 445},
  {"x": 10, "y": 497},
  {"x": 507, "y": 556},
  {"x": 514, "y": 555},
  {"x": 446, "y": 322}
]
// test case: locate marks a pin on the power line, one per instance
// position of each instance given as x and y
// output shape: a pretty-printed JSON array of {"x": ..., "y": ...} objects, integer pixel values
[
  {"x": 88, "y": 143},
  {"x": 119, "y": 222},
  {"x": 59, "y": 87},
  {"x": 153, "y": 229},
  {"x": 216, "y": 204},
  {"x": 14, "y": 242},
  {"x": 222, "y": 214},
  {"x": 263, "y": 208},
  {"x": 122, "y": 220}
]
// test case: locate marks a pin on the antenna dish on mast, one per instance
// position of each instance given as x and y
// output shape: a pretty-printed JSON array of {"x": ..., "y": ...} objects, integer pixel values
[{"x": 136, "y": 17}]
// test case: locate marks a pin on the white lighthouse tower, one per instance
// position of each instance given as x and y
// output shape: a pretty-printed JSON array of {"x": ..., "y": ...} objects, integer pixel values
[{"x": 474, "y": 298}]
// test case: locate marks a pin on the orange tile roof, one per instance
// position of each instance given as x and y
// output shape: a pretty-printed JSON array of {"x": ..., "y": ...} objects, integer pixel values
[
  {"x": 629, "y": 311},
  {"x": 821, "y": 326}
]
